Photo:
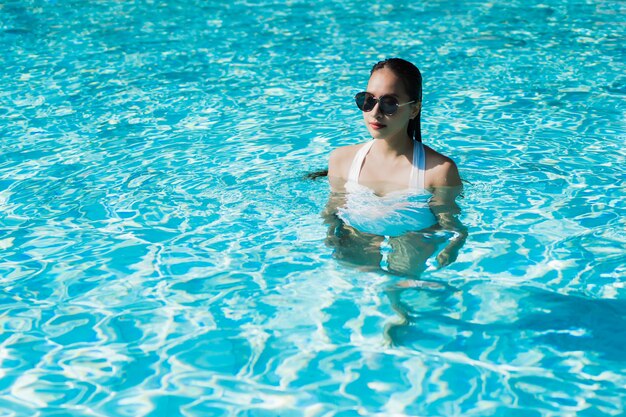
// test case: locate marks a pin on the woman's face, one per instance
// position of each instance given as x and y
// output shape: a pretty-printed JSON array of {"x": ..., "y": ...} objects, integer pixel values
[{"x": 385, "y": 82}]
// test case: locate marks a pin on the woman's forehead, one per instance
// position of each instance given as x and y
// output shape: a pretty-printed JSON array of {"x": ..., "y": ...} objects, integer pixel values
[{"x": 385, "y": 81}]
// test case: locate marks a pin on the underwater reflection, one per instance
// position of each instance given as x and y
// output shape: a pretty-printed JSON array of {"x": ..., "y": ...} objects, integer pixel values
[{"x": 470, "y": 319}]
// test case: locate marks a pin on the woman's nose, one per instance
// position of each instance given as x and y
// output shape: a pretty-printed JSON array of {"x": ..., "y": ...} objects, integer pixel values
[{"x": 376, "y": 109}]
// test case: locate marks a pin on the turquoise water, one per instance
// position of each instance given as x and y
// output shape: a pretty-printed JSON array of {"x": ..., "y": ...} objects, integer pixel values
[{"x": 162, "y": 255}]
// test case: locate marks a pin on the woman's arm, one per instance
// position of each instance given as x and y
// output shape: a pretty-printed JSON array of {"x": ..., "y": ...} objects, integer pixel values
[
  {"x": 447, "y": 211},
  {"x": 349, "y": 244},
  {"x": 338, "y": 166},
  {"x": 446, "y": 187}
]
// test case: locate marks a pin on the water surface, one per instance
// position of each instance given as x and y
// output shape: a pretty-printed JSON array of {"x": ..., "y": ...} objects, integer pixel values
[{"x": 161, "y": 253}]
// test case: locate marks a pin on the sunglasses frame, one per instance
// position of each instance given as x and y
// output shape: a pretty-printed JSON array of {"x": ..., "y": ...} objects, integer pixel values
[{"x": 378, "y": 101}]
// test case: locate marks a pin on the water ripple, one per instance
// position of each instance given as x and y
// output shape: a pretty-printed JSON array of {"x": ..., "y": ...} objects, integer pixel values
[{"x": 162, "y": 255}]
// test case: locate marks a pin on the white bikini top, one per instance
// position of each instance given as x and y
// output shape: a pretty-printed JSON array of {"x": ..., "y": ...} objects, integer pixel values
[
  {"x": 395, "y": 213},
  {"x": 416, "y": 181}
]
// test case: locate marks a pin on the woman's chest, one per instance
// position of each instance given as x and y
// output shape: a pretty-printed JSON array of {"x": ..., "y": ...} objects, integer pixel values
[{"x": 386, "y": 178}]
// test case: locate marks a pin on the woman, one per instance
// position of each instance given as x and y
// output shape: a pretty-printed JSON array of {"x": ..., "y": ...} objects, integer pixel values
[
  {"x": 389, "y": 188},
  {"x": 391, "y": 110}
]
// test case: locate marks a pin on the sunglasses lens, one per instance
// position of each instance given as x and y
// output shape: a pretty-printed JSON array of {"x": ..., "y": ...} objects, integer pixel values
[
  {"x": 369, "y": 104},
  {"x": 389, "y": 105},
  {"x": 360, "y": 99},
  {"x": 364, "y": 101}
]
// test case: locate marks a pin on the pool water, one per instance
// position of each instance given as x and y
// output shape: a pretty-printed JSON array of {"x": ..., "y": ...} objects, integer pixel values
[{"x": 162, "y": 254}]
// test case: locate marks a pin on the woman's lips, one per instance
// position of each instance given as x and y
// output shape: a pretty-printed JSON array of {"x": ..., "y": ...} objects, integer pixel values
[{"x": 377, "y": 126}]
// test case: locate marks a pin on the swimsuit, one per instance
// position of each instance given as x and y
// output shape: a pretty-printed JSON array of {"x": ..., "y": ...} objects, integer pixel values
[
  {"x": 416, "y": 181},
  {"x": 393, "y": 214}
]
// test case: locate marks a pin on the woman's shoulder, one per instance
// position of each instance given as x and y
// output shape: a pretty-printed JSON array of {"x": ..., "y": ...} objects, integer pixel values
[
  {"x": 346, "y": 151},
  {"x": 340, "y": 160},
  {"x": 434, "y": 158},
  {"x": 441, "y": 170}
]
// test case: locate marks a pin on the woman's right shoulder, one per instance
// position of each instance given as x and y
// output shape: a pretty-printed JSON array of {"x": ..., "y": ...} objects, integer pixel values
[{"x": 340, "y": 160}]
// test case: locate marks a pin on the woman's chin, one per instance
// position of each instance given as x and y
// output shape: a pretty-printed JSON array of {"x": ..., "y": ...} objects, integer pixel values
[{"x": 376, "y": 133}]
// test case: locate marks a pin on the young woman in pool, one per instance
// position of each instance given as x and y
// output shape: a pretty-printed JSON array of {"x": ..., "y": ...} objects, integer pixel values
[
  {"x": 392, "y": 194},
  {"x": 391, "y": 108}
]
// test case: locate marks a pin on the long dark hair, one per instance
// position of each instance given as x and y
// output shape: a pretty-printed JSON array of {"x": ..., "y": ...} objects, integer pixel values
[{"x": 411, "y": 77}]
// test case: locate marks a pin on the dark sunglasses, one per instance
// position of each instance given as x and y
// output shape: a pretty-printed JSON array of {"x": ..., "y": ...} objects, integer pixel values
[{"x": 388, "y": 104}]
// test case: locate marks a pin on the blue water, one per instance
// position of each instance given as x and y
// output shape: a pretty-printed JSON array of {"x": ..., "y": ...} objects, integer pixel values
[{"x": 162, "y": 255}]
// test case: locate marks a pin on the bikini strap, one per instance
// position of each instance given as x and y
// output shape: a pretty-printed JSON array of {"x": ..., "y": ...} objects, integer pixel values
[
  {"x": 357, "y": 162},
  {"x": 419, "y": 166}
]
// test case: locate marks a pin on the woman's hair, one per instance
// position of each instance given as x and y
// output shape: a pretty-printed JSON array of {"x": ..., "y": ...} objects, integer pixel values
[
  {"x": 316, "y": 174},
  {"x": 412, "y": 80}
]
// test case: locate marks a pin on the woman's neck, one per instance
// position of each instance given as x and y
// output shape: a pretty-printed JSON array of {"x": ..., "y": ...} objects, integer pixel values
[{"x": 394, "y": 146}]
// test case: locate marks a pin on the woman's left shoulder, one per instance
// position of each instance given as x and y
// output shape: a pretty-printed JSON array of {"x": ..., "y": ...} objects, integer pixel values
[{"x": 441, "y": 171}]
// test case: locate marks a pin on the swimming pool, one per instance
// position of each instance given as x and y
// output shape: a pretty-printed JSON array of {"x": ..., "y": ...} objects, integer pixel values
[{"x": 162, "y": 254}]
